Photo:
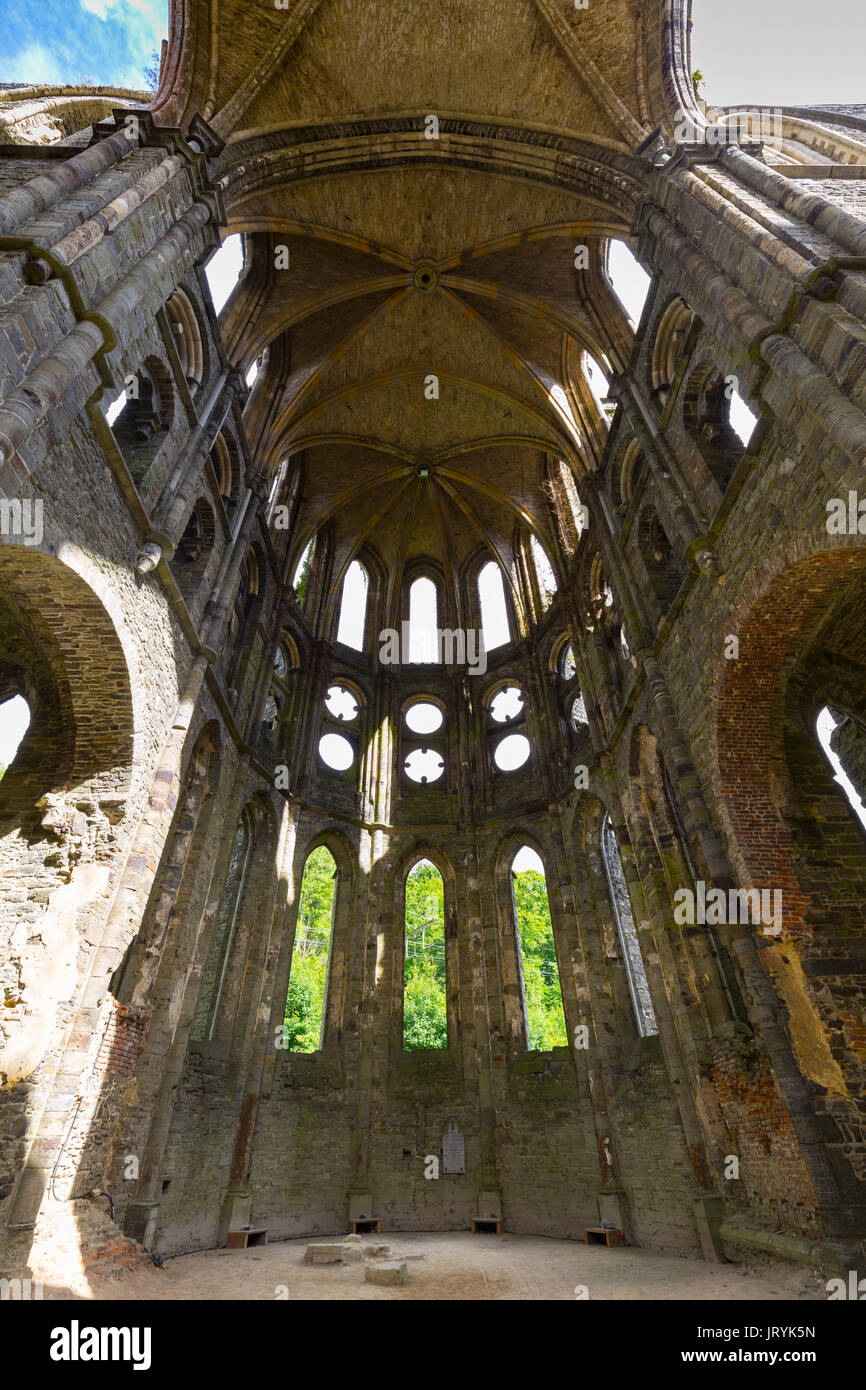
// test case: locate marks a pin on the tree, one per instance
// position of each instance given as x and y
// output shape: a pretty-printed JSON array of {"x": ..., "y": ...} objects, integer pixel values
[
  {"x": 425, "y": 1022},
  {"x": 425, "y": 1014},
  {"x": 306, "y": 997},
  {"x": 151, "y": 72},
  {"x": 544, "y": 1011}
]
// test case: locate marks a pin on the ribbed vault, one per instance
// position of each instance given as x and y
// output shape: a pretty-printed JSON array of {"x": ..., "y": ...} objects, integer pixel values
[{"x": 412, "y": 202}]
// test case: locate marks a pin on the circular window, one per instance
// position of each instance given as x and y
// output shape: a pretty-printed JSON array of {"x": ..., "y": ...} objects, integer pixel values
[
  {"x": 507, "y": 704},
  {"x": 567, "y": 668},
  {"x": 511, "y": 753},
  {"x": 336, "y": 751},
  {"x": 424, "y": 765},
  {"x": 424, "y": 718},
  {"x": 341, "y": 703}
]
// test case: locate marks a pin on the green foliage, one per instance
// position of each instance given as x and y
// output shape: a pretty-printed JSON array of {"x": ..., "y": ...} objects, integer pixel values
[
  {"x": 303, "y": 574},
  {"x": 424, "y": 1006},
  {"x": 697, "y": 81},
  {"x": 306, "y": 997},
  {"x": 425, "y": 1021},
  {"x": 540, "y": 972},
  {"x": 424, "y": 1000}
]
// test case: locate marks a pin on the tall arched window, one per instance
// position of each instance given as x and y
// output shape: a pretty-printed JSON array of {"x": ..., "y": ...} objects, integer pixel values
[
  {"x": 547, "y": 585},
  {"x": 598, "y": 381},
  {"x": 224, "y": 269},
  {"x": 302, "y": 573},
  {"x": 542, "y": 994},
  {"x": 494, "y": 612},
  {"x": 14, "y": 722},
  {"x": 844, "y": 743},
  {"x": 216, "y": 968},
  {"x": 305, "y": 1003},
  {"x": 628, "y": 937},
  {"x": 630, "y": 282},
  {"x": 353, "y": 607},
  {"x": 423, "y": 621},
  {"x": 575, "y": 506},
  {"x": 425, "y": 1018}
]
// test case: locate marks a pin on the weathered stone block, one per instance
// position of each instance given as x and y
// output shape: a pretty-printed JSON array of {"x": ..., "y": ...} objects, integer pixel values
[{"x": 390, "y": 1272}]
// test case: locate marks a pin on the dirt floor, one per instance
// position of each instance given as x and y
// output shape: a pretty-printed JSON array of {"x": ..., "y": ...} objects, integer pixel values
[{"x": 459, "y": 1266}]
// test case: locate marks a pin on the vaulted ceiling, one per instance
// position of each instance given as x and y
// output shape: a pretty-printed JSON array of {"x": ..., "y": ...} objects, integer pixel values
[{"x": 411, "y": 181}]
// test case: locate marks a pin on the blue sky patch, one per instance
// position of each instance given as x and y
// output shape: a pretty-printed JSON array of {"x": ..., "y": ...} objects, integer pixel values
[{"x": 108, "y": 42}]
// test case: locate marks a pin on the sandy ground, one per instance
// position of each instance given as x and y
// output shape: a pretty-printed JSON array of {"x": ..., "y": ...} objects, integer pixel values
[{"x": 458, "y": 1266}]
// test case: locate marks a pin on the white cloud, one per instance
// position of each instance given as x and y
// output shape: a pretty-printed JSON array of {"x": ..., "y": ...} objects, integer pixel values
[
  {"x": 36, "y": 64},
  {"x": 151, "y": 9}
]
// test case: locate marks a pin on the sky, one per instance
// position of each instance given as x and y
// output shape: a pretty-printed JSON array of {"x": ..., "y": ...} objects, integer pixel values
[
  {"x": 67, "y": 41},
  {"x": 797, "y": 52},
  {"x": 780, "y": 52}
]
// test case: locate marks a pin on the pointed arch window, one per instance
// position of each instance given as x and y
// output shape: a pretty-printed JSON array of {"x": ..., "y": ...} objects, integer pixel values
[
  {"x": 308, "y": 980},
  {"x": 630, "y": 282},
  {"x": 302, "y": 573},
  {"x": 575, "y": 506},
  {"x": 843, "y": 740},
  {"x": 628, "y": 937},
  {"x": 547, "y": 585},
  {"x": 14, "y": 723},
  {"x": 353, "y": 607},
  {"x": 494, "y": 612},
  {"x": 425, "y": 1015},
  {"x": 423, "y": 621},
  {"x": 219, "y": 957},
  {"x": 224, "y": 269},
  {"x": 539, "y": 971},
  {"x": 598, "y": 381}
]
